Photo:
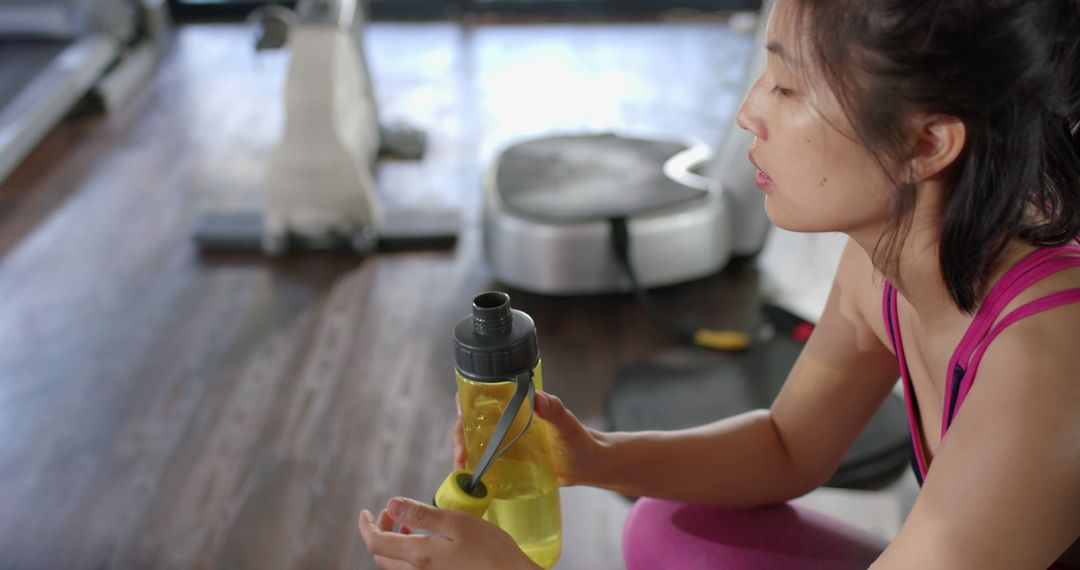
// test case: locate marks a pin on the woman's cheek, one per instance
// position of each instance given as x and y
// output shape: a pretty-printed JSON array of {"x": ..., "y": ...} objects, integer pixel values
[
  {"x": 788, "y": 210},
  {"x": 810, "y": 206}
]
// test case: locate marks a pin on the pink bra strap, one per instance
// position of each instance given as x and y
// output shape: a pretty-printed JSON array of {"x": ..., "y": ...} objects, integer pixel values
[
  {"x": 1037, "y": 306},
  {"x": 994, "y": 302},
  {"x": 998, "y": 300},
  {"x": 998, "y": 303},
  {"x": 892, "y": 321},
  {"x": 1029, "y": 271}
]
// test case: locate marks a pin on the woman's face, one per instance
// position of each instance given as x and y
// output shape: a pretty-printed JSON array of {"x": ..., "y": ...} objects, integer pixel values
[{"x": 817, "y": 177}]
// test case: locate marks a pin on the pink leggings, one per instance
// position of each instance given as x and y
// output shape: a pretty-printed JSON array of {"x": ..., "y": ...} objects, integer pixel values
[{"x": 663, "y": 534}]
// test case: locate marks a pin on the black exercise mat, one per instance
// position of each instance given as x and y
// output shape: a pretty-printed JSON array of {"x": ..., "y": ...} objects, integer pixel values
[{"x": 686, "y": 388}]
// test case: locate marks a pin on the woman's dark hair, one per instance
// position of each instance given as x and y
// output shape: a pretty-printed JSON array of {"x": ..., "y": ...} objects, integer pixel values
[{"x": 1009, "y": 69}]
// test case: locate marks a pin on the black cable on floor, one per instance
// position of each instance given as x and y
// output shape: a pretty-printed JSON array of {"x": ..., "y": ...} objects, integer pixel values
[{"x": 708, "y": 338}]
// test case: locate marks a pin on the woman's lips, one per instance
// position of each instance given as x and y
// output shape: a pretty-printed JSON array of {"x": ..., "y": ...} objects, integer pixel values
[{"x": 762, "y": 180}]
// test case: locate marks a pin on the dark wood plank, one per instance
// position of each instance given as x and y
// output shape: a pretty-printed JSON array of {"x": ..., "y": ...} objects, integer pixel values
[{"x": 162, "y": 410}]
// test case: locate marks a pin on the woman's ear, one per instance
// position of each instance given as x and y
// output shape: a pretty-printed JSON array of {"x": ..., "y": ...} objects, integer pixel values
[{"x": 938, "y": 142}]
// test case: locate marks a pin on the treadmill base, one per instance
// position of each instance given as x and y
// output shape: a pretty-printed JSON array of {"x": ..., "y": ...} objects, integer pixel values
[{"x": 402, "y": 229}]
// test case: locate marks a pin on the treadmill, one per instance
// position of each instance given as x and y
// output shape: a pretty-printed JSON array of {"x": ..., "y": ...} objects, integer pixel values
[{"x": 53, "y": 53}]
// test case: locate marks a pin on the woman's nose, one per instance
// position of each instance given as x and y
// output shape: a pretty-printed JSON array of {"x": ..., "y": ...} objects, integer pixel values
[{"x": 747, "y": 117}]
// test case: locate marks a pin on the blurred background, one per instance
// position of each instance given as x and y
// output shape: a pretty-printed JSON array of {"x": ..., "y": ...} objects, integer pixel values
[{"x": 235, "y": 238}]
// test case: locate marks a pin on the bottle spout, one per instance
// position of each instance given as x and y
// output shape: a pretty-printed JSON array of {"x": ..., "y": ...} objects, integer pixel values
[
  {"x": 491, "y": 314},
  {"x": 494, "y": 342}
]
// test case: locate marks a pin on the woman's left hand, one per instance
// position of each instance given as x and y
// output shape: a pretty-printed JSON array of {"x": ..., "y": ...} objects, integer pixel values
[{"x": 462, "y": 540}]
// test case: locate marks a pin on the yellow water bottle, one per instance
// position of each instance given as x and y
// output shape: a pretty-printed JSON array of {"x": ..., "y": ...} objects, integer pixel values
[{"x": 509, "y": 479}]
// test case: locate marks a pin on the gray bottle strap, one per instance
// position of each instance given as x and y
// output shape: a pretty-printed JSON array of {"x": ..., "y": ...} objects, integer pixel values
[{"x": 525, "y": 390}]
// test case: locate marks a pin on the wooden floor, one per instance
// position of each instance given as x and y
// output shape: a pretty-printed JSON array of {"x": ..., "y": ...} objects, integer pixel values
[{"x": 158, "y": 409}]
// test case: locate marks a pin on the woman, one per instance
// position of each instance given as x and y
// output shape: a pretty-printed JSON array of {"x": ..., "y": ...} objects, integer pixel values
[{"x": 943, "y": 137}]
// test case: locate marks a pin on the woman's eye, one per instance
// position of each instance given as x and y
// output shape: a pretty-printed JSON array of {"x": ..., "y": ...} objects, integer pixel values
[{"x": 783, "y": 91}]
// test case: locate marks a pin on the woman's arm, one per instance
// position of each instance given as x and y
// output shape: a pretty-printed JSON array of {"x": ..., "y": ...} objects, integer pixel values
[
  {"x": 766, "y": 456},
  {"x": 1004, "y": 488}
]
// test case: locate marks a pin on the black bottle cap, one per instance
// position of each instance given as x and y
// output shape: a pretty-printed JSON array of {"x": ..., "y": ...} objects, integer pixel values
[{"x": 495, "y": 342}]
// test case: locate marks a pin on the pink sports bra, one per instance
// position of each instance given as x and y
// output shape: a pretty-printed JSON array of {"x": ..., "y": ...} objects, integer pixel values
[
  {"x": 1035, "y": 267},
  {"x": 964, "y": 362}
]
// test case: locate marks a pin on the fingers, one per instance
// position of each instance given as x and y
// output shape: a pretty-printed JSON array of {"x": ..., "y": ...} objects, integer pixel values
[
  {"x": 385, "y": 523},
  {"x": 543, "y": 405},
  {"x": 414, "y": 515},
  {"x": 551, "y": 408},
  {"x": 457, "y": 442},
  {"x": 457, "y": 438},
  {"x": 392, "y": 548}
]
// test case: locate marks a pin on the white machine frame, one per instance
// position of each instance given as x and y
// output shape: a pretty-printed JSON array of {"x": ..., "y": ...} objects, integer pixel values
[{"x": 319, "y": 179}]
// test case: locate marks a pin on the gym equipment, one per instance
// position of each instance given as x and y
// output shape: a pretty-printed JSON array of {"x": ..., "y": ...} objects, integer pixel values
[
  {"x": 549, "y": 204},
  {"x": 598, "y": 213},
  {"x": 319, "y": 184},
  {"x": 54, "y": 53}
]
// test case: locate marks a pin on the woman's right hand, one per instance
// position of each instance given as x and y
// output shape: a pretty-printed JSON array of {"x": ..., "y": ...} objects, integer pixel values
[{"x": 577, "y": 450}]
